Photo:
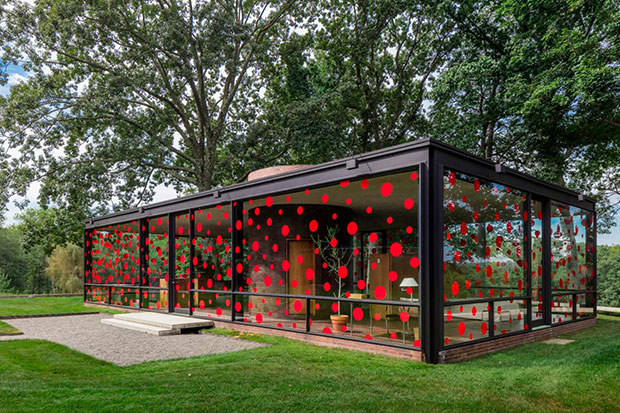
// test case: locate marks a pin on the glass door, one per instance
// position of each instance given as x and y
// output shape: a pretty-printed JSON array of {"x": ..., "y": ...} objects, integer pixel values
[
  {"x": 181, "y": 281},
  {"x": 537, "y": 268}
]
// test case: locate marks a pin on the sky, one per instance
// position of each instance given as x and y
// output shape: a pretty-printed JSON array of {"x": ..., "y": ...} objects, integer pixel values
[{"x": 17, "y": 74}]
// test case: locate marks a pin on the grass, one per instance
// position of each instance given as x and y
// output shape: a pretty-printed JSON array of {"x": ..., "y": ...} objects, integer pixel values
[
  {"x": 46, "y": 305},
  {"x": 293, "y": 376},
  {"x": 7, "y": 330}
]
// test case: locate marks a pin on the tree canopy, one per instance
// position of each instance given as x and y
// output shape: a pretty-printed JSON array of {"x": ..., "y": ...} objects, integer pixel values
[{"x": 125, "y": 95}]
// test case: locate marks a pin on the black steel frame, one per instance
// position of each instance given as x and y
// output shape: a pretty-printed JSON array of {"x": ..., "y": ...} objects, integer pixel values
[{"x": 430, "y": 158}]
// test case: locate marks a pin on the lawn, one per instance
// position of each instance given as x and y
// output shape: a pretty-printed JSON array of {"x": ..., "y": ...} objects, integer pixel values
[
  {"x": 6, "y": 329},
  {"x": 45, "y": 305},
  {"x": 292, "y": 376}
]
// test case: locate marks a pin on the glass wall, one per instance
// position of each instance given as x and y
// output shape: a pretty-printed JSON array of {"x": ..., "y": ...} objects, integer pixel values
[
  {"x": 355, "y": 240},
  {"x": 115, "y": 258},
  {"x": 484, "y": 262}
]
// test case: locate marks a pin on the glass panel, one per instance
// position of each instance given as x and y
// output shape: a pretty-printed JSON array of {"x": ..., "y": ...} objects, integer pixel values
[
  {"x": 181, "y": 264},
  {"x": 562, "y": 308},
  {"x": 212, "y": 246},
  {"x": 116, "y": 254},
  {"x": 585, "y": 305},
  {"x": 510, "y": 316},
  {"x": 465, "y": 322},
  {"x": 537, "y": 263},
  {"x": 155, "y": 299},
  {"x": 275, "y": 311},
  {"x": 157, "y": 254},
  {"x": 96, "y": 294},
  {"x": 355, "y": 239},
  {"x": 483, "y": 239},
  {"x": 212, "y": 305},
  {"x": 572, "y": 248},
  {"x": 127, "y": 297}
]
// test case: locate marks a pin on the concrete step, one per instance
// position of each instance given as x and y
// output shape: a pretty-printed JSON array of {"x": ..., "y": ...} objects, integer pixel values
[
  {"x": 168, "y": 321},
  {"x": 145, "y": 328}
]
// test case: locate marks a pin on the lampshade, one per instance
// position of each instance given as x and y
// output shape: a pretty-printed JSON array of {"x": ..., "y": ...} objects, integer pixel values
[{"x": 408, "y": 282}]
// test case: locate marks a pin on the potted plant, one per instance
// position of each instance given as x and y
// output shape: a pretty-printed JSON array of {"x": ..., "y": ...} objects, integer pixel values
[{"x": 335, "y": 258}]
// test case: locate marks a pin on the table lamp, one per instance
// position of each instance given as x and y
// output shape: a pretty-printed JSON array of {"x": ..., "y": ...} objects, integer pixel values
[{"x": 408, "y": 283}]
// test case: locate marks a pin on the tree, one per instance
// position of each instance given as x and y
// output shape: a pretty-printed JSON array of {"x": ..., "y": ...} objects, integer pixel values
[
  {"x": 355, "y": 80},
  {"x": 65, "y": 267},
  {"x": 536, "y": 85},
  {"x": 608, "y": 271},
  {"x": 21, "y": 270},
  {"x": 49, "y": 228},
  {"x": 128, "y": 94}
]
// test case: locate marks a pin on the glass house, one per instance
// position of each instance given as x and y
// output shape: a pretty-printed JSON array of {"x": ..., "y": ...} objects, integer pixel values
[{"x": 420, "y": 247}]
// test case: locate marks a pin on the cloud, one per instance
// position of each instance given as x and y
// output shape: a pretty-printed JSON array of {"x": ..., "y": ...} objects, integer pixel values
[{"x": 14, "y": 79}]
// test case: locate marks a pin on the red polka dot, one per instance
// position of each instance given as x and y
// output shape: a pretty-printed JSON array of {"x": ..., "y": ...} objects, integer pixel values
[
  {"x": 297, "y": 306},
  {"x": 364, "y": 183},
  {"x": 198, "y": 227},
  {"x": 455, "y": 288},
  {"x": 449, "y": 315},
  {"x": 414, "y": 262},
  {"x": 343, "y": 271},
  {"x": 218, "y": 311},
  {"x": 393, "y": 276},
  {"x": 327, "y": 286},
  {"x": 358, "y": 314},
  {"x": 300, "y": 259},
  {"x": 267, "y": 281},
  {"x": 463, "y": 228},
  {"x": 344, "y": 184},
  {"x": 286, "y": 265},
  {"x": 269, "y": 201},
  {"x": 386, "y": 189},
  {"x": 201, "y": 304},
  {"x": 313, "y": 225},
  {"x": 361, "y": 284},
  {"x": 396, "y": 249},
  {"x": 379, "y": 293},
  {"x": 255, "y": 245},
  {"x": 461, "y": 328},
  {"x": 285, "y": 230},
  {"x": 326, "y": 330},
  {"x": 408, "y": 203},
  {"x": 404, "y": 316},
  {"x": 259, "y": 318},
  {"x": 483, "y": 328},
  {"x": 309, "y": 274},
  {"x": 414, "y": 176},
  {"x": 325, "y": 198},
  {"x": 352, "y": 228}
]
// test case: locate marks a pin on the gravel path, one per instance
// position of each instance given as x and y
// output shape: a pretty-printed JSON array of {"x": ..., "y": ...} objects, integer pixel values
[{"x": 85, "y": 333}]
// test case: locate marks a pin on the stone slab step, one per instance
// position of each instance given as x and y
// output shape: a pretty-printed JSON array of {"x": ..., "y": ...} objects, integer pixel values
[
  {"x": 145, "y": 328},
  {"x": 168, "y": 321}
]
